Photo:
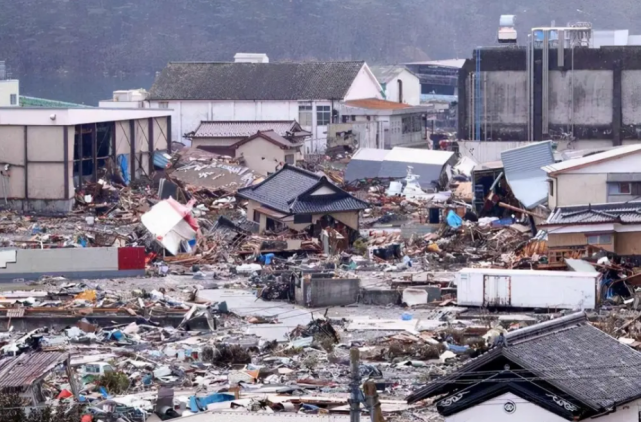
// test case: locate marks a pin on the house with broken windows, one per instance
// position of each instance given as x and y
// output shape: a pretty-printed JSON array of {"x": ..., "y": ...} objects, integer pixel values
[
  {"x": 559, "y": 370},
  {"x": 304, "y": 201},
  {"x": 47, "y": 154}
]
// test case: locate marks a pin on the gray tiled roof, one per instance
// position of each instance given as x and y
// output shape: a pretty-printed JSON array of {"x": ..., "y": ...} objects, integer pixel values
[
  {"x": 569, "y": 353},
  {"x": 242, "y": 128},
  {"x": 255, "y": 81},
  {"x": 624, "y": 212},
  {"x": 285, "y": 191}
]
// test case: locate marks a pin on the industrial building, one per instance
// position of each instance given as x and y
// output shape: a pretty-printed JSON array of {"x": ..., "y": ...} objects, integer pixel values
[
  {"x": 555, "y": 87},
  {"x": 46, "y": 153}
]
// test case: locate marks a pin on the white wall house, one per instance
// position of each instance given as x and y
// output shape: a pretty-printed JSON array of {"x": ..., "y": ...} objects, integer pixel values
[
  {"x": 9, "y": 93},
  {"x": 610, "y": 176},
  {"x": 399, "y": 84},
  {"x": 307, "y": 92}
]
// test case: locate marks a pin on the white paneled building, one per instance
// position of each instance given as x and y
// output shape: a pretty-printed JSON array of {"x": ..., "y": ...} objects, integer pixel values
[{"x": 306, "y": 92}]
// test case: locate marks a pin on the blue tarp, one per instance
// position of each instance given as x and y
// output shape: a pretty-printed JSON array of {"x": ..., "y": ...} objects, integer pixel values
[
  {"x": 123, "y": 162},
  {"x": 197, "y": 404},
  {"x": 454, "y": 220}
]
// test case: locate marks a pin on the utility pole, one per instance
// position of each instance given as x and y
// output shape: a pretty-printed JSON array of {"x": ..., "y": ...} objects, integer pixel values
[
  {"x": 354, "y": 401},
  {"x": 373, "y": 404}
]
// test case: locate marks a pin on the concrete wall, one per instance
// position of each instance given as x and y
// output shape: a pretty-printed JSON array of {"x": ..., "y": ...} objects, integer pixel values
[
  {"x": 593, "y": 96},
  {"x": 330, "y": 292},
  {"x": 72, "y": 263},
  {"x": 7, "y": 88},
  {"x": 44, "y": 166}
]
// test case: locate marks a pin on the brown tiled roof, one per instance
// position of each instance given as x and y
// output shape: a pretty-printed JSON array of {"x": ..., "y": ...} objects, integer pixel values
[{"x": 376, "y": 104}]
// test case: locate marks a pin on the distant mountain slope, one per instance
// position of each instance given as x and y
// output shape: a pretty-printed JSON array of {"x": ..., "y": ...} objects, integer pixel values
[{"x": 115, "y": 37}]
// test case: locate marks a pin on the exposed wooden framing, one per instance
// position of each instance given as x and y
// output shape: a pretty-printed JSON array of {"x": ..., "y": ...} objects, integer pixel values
[
  {"x": 150, "y": 139},
  {"x": 80, "y": 154},
  {"x": 65, "y": 154},
  {"x": 94, "y": 151},
  {"x": 26, "y": 165},
  {"x": 113, "y": 143},
  {"x": 132, "y": 149},
  {"x": 168, "y": 135}
]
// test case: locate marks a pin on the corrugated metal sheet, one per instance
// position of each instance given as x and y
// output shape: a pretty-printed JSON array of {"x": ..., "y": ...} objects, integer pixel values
[
  {"x": 485, "y": 152},
  {"x": 524, "y": 173},
  {"x": 24, "y": 370}
]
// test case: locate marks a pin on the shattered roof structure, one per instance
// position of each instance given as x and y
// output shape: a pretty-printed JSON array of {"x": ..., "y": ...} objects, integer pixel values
[
  {"x": 255, "y": 81},
  {"x": 293, "y": 190},
  {"x": 614, "y": 212},
  {"x": 565, "y": 354},
  {"x": 24, "y": 370},
  {"x": 242, "y": 128},
  {"x": 369, "y": 163},
  {"x": 577, "y": 163},
  {"x": 523, "y": 171}
]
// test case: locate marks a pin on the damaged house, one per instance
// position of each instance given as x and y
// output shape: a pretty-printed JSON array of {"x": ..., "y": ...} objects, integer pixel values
[
  {"x": 25, "y": 374},
  {"x": 298, "y": 199},
  {"x": 559, "y": 370},
  {"x": 583, "y": 230}
]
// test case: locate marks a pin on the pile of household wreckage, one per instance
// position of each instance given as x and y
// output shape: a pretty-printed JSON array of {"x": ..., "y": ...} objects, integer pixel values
[{"x": 170, "y": 352}]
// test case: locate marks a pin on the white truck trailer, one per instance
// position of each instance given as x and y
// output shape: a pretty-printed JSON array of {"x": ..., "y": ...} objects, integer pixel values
[{"x": 494, "y": 288}]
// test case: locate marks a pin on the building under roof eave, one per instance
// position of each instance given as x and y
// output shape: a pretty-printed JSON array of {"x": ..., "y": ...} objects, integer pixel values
[
  {"x": 44, "y": 116},
  {"x": 524, "y": 174}
]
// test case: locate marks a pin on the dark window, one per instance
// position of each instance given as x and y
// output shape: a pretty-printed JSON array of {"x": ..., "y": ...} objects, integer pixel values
[
  {"x": 323, "y": 115},
  {"x": 302, "y": 219},
  {"x": 400, "y": 91},
  {"x": 13, "y": 98},
  {"x": 551, "y": 187},
  {"x": 256, "y": 216},
  {"x": 289, "y": 158},
  {"x": 600, "y": 239}
]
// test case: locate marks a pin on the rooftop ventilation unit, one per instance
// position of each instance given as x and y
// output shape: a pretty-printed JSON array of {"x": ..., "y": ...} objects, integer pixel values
[{"x": 507, "y": 31}]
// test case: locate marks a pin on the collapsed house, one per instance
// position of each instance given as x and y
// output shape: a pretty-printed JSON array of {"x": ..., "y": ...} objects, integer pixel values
[
  {"x": 298, "y": 199},
  {"x": 433, "y": 168}
]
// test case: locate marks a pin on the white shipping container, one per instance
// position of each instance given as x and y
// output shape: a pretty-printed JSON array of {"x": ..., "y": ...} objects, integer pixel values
[{"x": 527, "y": 288}]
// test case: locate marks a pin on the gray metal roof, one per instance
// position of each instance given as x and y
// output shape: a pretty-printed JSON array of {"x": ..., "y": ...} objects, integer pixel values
[
  {"x": 242, "y": 129},
  {"x": 24, "y": 370},
  {"x": 617, "y": 212},
  {"x": 255, "y": 81},
  {"x": 524, "y": 174}
]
